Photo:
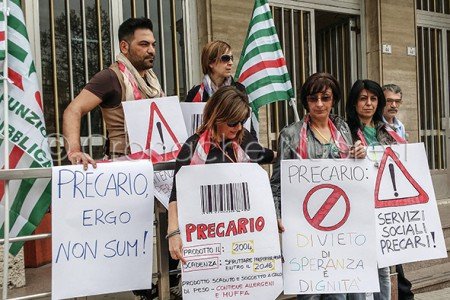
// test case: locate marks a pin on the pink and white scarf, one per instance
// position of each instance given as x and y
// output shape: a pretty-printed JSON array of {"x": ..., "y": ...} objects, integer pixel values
[
  {"x": 337, "y": 137},
  {"x": 204, "y": 145},
  {"x": 389, "y": 130}
]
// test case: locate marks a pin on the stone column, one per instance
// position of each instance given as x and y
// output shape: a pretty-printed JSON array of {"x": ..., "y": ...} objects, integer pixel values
[
  {"x": 16, "y": 273},
  {"x": 392, "y": 23}
]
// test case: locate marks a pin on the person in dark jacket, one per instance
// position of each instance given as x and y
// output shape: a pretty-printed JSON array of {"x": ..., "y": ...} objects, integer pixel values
[
  {"x": 220, "y": 139},
  {"x": 217, "y": 61}
]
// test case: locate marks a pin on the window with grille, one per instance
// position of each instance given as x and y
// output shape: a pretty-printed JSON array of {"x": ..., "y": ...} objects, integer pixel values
[
  {"x": 435, "y": 6},
  {"x": 432, "y": 43},
  {"x": 314, "y": 41}
]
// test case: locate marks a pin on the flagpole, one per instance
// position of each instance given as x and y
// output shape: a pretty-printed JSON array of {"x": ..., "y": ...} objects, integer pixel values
[
  {"x": 6, "y": 155},
  {"x": 293, "y": 104}
]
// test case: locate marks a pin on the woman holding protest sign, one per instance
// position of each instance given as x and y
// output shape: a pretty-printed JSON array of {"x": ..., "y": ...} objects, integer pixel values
[
  {"x": 318, "y": 135},
  {"x": 220, "y": 139},
  {"x": 365, "y": 117}
]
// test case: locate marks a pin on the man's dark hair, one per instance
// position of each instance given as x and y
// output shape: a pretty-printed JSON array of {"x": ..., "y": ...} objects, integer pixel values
[{"x": 127, "y": 28}]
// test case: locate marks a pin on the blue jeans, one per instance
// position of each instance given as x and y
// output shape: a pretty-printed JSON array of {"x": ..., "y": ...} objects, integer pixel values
[
  {"x": 385, "y": 287},
  {"x": 321, "y": 297}
]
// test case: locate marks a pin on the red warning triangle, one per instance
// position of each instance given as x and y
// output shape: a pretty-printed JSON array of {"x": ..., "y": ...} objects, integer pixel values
[
  {"x": 422, "y": 197},
  {"x": 165, "y": 156}
]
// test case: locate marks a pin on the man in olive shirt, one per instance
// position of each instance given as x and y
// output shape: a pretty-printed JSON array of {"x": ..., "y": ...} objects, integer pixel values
[{"x": 129, "y": 78}]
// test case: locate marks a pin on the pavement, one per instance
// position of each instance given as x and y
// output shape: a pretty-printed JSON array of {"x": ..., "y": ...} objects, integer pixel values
[
  {"x": 39, "y": 281},
  {"x": 442, "y": 294}
]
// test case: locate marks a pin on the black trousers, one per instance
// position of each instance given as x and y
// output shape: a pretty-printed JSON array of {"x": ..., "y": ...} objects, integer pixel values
[{"x": 404, "y": 285}]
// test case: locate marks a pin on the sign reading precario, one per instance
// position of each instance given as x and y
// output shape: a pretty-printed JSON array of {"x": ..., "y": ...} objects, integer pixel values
[
  {"x": 102, "y": 225},
  {"x": 229, "y": 231},
  {"x": 406, "y": 213},
  {"x": 328, "y": 243}
]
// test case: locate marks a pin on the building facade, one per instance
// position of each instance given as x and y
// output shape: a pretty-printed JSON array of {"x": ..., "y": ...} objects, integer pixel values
[{"x": 404, "y": 42}]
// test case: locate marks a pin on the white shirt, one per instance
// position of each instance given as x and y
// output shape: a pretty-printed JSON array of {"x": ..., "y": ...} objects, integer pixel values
[{"x": 398, "y": 127}]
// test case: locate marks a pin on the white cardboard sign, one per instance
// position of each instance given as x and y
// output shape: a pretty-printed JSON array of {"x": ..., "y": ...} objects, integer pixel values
[
  {"x": 328, "y": 243},
  {"x": 193, "y": 116},
  {"x": 102, "y": 228},
  {"x": 163, "y": 182},
  {"x": 406, "y": 214},
  {"x": 156, "y": 124},
  {"x": 229, "y": 231}
]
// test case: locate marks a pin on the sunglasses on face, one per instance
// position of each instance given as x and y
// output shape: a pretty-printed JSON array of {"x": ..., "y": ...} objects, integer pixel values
[
  {"x": 234, "y": 124},
  {"x": 226, "y": 58},
  {"x": 315, "y": 98}
]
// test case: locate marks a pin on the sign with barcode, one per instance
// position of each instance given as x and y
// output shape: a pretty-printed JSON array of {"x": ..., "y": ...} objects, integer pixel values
[
  {"x": 196, "y": 121},
  {"x": 193, "y": 116},
  {"x": 228, "y": 197},
  {"x": 229, "y": 231}
]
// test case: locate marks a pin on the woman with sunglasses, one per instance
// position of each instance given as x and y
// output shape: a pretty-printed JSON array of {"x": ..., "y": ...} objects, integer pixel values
[
  {"x": 217, "y": 61},
  {"x": 318, "y": 135},
  {"x": 220, "y": 139},
  {"x": 364, "y": 108}
]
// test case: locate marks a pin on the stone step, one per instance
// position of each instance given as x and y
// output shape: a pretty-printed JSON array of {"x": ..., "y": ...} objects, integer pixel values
[
  {"x": 432, "y": 274},
  {"x": 411, "y": 267},
  {"x": 444, "y": 212},
  {"x": 430, "y": 278}
]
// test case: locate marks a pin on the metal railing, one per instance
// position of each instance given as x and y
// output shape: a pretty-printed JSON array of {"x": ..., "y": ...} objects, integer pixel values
[{"x": 162, "y": 249}]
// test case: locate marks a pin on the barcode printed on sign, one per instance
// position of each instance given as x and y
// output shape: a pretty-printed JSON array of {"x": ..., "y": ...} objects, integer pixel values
[
  {"x": 229, "y": 197},
  {"x": 196, "y": 121}
]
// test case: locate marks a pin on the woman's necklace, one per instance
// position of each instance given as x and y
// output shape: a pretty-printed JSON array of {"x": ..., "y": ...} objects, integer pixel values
[
  {"x": 226, "y": 154},
  {"x": 370, "y": 124},
  {"x": 326, "y": 140}
]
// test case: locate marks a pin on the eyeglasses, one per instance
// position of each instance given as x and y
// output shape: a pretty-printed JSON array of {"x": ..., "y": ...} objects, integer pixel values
[
  {"x": 396, "y": 101},
  {"x": 323, "y": 98},
  {"x": 234, "y": 124},
  {"x": 226, "y": 58}
]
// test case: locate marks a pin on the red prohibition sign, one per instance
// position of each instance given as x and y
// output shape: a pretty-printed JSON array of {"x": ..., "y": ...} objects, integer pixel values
[{"x": 326, "y": 207}]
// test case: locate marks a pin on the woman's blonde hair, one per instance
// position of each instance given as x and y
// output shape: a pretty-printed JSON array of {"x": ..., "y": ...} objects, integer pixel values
[
  {"x": 212, "y": 52},
  {"x": 227, "y": 105}
]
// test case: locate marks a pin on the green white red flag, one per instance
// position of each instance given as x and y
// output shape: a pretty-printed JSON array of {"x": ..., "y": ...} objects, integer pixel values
[
  {"x": 262, "y": 67},
  {"x": 26, "y": 133}
]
